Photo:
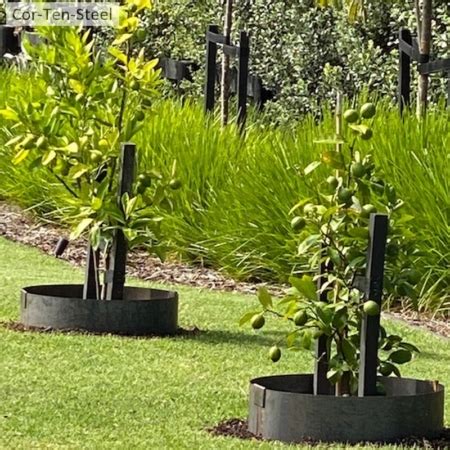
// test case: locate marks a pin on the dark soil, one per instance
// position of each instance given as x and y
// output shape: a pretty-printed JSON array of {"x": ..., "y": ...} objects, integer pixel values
[
  {"x": 238, "y": 428},
  {"x": 20, "y": 327},
  {"x": 19, "y": 226}
]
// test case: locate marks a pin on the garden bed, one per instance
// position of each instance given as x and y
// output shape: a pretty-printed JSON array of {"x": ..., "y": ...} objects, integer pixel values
[{"x": 19, "y": 226}]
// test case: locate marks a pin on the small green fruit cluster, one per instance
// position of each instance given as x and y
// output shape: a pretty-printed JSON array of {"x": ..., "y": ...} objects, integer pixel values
[{"x": 353, "y": 117}]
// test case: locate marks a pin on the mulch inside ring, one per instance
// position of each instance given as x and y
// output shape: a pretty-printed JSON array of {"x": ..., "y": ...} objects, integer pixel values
[
  {"x": 20, "y": 327},
  {"x": 238, "y": 428}
]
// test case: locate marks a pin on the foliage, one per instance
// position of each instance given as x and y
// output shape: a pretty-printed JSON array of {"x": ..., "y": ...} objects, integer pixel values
[
  {"x": 300, "y": 49},
  {"x": 231, "y": 213},
  {"x": 333, "y": 230},
  {"x": 81, "y": 106}
]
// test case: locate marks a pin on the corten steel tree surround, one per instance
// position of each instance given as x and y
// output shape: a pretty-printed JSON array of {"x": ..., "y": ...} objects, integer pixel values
[
  {"x": 408, "y": 53},
  {"x": 242, "y": 52}
]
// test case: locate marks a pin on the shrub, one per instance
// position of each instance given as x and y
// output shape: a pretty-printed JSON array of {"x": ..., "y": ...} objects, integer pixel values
[{"x": 302, "y": 50}]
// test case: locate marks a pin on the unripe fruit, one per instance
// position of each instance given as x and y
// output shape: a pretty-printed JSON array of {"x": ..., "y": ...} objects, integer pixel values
[
  {"x": 145, "y": 179},
  {"x": 140, "y": 34},
  {"x": 140, "y": 115},
  {"x": 385, "y": 369},
  {"x": 300, "y": 318},
  {"x": 96, "y": 156},
  {"x": 351, "y": 115},
  {"x": 371, "y": 308},
  {"x": 140, "y": 188},
  {"x": 134, "y": 85},
  {"x": 332, "y": 183},
  {"x": 368, "y": 133},
  {"x": 175, "y": 184},
  {"x": 275, "y": 353},
  {"x": 257, "y": 321},
  {"x": 103, "y": 144},
  {"x": 345, "y": 195},
  {"x": 368, "y": 110},
  {"x": 358, "y": 170},
  {"x": 298, "y": 223},
  {"x": 367, "y": 210}
]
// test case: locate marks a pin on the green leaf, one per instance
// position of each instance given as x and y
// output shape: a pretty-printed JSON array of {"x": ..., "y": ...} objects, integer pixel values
[
  {"x": 349, "y": 351},
  {"x": 9, "y": 114},
  {"x": 359, "y": 232},
  {"x": 121, "y": 39},
  {"x": 77, "y": 171},
  {"x": 305, "y": 286},
  {"x": 265, "y": 298},
  {"x": 80, "y": 228},
  {"x": 333, "y": 159},
  {"x": 310, "y": 241},
  {"x": 300, "y": 204},
  {"x": 330, "y": 141},
  {"x": 20, "y": 156},
  {"x": 334, "y": 375},
  {"x": 247, "y": 317},
  {"x": 312, "y": 167},
  {"x": 48, "y": 157},
  {"x": 401, "y": 356}
]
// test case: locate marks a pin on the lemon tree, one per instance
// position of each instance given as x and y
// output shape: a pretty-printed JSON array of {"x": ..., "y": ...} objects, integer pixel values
[
  {"x": 332, "y": 229},
  {"x": 83, "y": 103}
]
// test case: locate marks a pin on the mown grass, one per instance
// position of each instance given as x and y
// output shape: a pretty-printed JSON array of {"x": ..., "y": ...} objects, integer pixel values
[
  {"x": 232, "y": 212},
  {"x": 76, "y": 391}
]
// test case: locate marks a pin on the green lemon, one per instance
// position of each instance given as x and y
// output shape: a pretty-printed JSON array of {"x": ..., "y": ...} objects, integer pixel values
[
  {"x": 345, "y": 195},
  {"x": 257, "y": 321},
  {"x": 134, "y": 85},
  {"x": 358, "y": 170},
  {"x": 103, "y": 144},
  {"x": 298, "y": 223},
  {"x": 371, "y": 308},
  {"x": 332, "y": 183},
  {"x": 145, "y": 179},
  {"x": 368, "y": 133},
  {"x": 275, "y": 353},
  {"x": 175, "y": 184},
  {"x": 300, "y": 318},
  {"x": 140, "y": 188},
  {"x": 351, "y": 115},
  {"x": 96, "y": 156},
  {"x": 368, "y": 110},
  {"x": 140, "y": 115}
]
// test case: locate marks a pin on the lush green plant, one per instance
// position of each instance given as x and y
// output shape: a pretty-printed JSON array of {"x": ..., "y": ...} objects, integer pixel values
[
  {"x": 300, "y": 49},
  {"x": 81, "y": 106},
  {"x": 231, "y": 212},
  {"x": 333, "y": 229}
]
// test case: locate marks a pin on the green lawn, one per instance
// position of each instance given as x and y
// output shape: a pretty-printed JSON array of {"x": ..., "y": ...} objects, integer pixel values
[{"x": 77, "y": 391}]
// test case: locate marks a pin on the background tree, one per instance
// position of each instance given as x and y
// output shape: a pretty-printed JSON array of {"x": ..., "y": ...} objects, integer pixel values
[{"x": 225, "y": 85}]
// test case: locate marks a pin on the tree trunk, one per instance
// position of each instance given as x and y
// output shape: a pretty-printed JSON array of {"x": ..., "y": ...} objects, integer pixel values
[
  {"x": 424, "y": 16},
  {"x": 225, "y": 86}
]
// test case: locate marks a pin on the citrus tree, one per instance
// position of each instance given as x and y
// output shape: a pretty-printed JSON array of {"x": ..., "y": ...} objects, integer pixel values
[
  {"x": 82, "y": 104},
  {"x": 332, "y": 227}
]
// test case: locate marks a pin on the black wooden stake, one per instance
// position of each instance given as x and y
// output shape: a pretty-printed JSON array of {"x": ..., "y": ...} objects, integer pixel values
[
  {"x": 321, "y": 385},
  {"x": 115, "y": 275},
  {"x": 211, "y": 68},
  {"x": 370, "y": 327},
  {"x": 404, "y": 74},
  {"x": 244, "y": 54}
]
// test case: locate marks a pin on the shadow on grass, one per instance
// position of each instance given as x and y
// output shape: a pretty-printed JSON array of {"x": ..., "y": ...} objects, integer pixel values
[{"x": 237, "y": 338}]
